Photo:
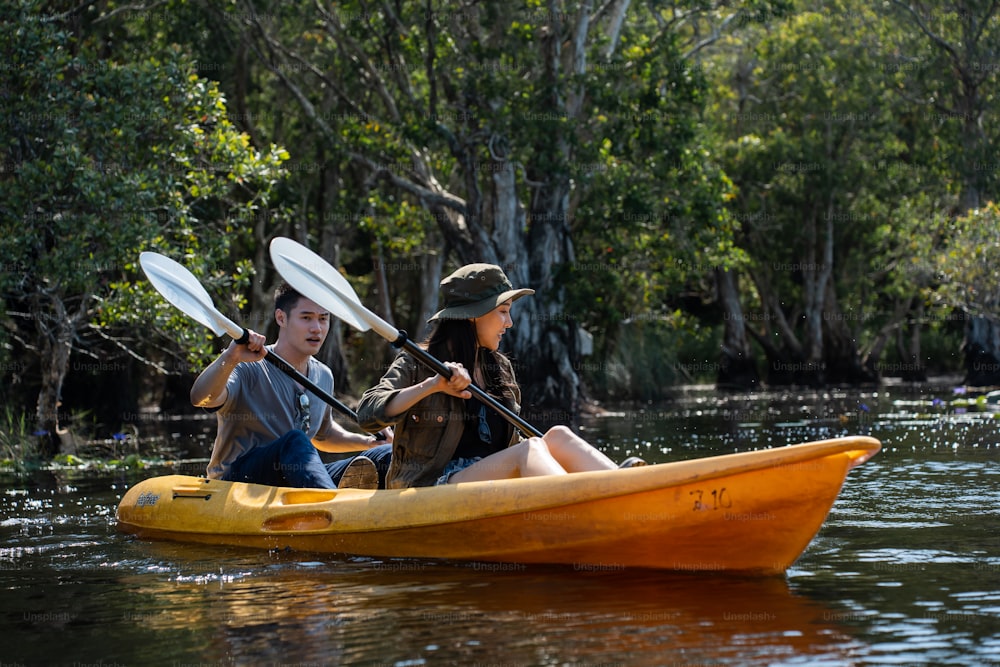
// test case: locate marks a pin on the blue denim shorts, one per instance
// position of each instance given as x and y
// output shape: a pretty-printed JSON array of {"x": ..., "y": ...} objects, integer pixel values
[{"x": 455, "y": 465}]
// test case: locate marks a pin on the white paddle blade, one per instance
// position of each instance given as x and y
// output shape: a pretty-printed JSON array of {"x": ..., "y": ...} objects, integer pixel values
[
  {"x": 181, "y": 289},
  {"x": 315, "y": 279}
]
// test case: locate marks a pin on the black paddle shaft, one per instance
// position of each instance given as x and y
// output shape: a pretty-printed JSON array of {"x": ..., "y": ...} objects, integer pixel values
[
  {"x": 431, "y": 362},
  {"x": 293, "y": 373}
]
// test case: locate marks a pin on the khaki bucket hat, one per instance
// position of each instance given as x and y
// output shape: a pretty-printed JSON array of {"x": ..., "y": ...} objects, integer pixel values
[{"x": 474, "y": 290}]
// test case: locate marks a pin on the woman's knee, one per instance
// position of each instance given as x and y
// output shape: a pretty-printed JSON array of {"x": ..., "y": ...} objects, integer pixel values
[
  {"x": 559, "y": 434},
  {"x": 561, "y": 439},
  {"x": 534, "y": 449}
]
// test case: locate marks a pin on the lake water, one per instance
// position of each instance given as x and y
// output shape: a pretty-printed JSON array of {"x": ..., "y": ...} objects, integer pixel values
[{"x": 905, "y": 571}]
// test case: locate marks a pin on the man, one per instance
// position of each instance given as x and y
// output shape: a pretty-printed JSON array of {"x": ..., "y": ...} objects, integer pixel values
[{"x": 270, "y": 427}]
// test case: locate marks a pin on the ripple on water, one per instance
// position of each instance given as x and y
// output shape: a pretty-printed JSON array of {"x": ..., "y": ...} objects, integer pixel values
[{"x": 890, "y": 557}]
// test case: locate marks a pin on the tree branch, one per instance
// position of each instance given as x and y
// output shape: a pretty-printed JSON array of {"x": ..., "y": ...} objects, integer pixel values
[
  {"x": 712, "y": 39},
  {"x": 336, "y": 30},
  {"x": 307, "y": 106},
  {"x": 276, "y": 46},
  {"x": 425, "y": 194},
  {"x": 615, "y": 22},
  {"x": 129, "y": 351},
  {"x": 945, "y": 46},
  {"x": 119, "y": 10}
]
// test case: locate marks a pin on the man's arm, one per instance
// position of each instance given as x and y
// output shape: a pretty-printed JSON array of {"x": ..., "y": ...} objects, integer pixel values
[
  {"x": 209, "y": 389},
  {"x": 335, "y": 439}
]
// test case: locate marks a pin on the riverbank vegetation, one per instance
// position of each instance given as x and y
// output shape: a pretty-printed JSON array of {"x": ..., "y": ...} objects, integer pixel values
[{"x": 751, "y": 194}]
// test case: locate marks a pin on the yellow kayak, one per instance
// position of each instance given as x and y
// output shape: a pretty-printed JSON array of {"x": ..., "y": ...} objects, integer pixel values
[{"x": 748, "y": 512}]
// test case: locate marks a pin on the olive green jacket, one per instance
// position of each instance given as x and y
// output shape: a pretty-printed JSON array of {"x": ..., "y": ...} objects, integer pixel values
[{"x": 426, "y": 436}]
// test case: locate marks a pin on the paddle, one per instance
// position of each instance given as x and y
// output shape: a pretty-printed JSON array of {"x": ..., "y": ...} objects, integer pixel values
[
  {"x": 315, "y": 279},
  {"x": 179, "y": 286}
]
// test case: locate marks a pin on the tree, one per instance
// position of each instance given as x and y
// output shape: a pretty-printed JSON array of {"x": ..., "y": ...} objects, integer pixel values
[
  {"x": 958, "y": 46},
  {"x": 487, "y": 125},
  {"x": 104, "y": 157},
  {"x": 833, "y": 197},
  {"x": 969, "y": 267}
]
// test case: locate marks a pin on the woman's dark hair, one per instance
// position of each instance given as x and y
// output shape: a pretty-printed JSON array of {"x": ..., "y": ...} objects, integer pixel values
[{"x": 455, "y": 340}]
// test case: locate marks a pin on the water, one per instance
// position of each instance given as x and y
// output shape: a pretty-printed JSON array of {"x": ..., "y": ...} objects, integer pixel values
[{"x": 906, "y": 569}]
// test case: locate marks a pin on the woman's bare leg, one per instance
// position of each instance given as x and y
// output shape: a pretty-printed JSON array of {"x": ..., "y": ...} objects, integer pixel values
[
  {"x": 559, "y": 451},
  {"x": 529, "y": 458},
  {"x": 574, "y": 453}
]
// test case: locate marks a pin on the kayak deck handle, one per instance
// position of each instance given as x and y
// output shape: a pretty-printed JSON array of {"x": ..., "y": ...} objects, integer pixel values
[
  {"x": 181, "y": 492},
  {"x": 298, "y": 522}
]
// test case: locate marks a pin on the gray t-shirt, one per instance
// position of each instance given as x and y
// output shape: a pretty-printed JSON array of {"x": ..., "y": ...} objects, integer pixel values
[{"x": 263, "y": 405}]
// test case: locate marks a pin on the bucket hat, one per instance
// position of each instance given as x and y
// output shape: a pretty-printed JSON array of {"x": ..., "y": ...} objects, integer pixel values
[{"x": 474, "y": 290}]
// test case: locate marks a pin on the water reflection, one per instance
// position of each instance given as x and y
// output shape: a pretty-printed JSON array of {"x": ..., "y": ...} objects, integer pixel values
[{"x": 361, "y": 611}]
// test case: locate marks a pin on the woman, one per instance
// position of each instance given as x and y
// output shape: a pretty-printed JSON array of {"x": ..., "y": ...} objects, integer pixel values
[{"x": 441, "y": 433}]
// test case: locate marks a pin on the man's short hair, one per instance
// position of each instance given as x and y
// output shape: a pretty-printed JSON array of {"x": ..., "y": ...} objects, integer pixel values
[{"x": 286, "y": 297}]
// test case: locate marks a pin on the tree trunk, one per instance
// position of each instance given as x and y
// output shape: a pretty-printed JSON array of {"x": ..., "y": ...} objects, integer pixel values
[
  {"x": 542, "y": 343},
  {"x": 842, "y": 363},
  {"x": 737, "y": 369},
  {"x": 329, "y": 248},
  {"x": 817, "y": 275},
  {"x": 785, "y": 354},
  {"x": 912, "y": 367},
  {"x": 548, "y": 349},
  {"x": 870, "y": 358},
  {"x": 55, "y": 330},
  {"x": 981, "y": 349},
  {"x": 431, "y": 269}
]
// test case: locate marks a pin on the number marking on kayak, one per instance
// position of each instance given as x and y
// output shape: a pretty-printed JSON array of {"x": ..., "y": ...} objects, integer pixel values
[{"x": 712, "y": 500}]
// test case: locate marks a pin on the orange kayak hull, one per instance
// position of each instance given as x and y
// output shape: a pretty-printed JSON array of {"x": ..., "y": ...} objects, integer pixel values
[{"x": 750, "y": 512}]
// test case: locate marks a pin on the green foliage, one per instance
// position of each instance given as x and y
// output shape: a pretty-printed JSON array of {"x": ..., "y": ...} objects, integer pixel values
[
  {"x": 107, "y": 155},
  {"x": 18, "y": 447},
  {"x": 943, "y": 56},
  {"x": 651, "y": 218},
  {"x": 820, "y": 137},
  {"x": 715, "y": 135},
  {"x": 969, "y": 265}
]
